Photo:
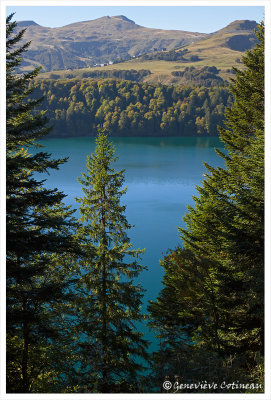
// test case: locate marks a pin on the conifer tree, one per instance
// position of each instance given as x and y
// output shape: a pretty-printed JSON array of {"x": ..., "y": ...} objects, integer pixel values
[
  {"x": 221, "y": 299},
  {"x": 39, "y": 230},
  {"x": 227, "y": 224},
  {"x": 111, "y": 348}
]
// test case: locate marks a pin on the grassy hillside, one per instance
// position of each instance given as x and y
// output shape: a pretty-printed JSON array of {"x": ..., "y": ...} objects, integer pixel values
[
  {"x": 105, "y": 39},
  {"x": 223, "y": 49}
]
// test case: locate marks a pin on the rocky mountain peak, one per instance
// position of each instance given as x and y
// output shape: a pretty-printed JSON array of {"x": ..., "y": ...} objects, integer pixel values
[{"x": 24, "y": 24}]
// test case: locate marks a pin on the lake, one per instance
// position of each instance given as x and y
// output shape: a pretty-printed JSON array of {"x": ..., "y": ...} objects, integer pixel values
[{"x": 161, "y": 174}]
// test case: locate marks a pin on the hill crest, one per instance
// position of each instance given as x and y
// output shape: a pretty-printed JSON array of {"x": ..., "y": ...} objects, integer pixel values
[
  {"x": 102, "y": 40},
  {"x": 23, "y": 24},
  {"x": 239, "y": 25},
  {"x": 112, "y": 39}
]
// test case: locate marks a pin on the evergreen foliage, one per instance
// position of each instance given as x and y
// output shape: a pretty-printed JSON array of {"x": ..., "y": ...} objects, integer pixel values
[
  {"x": 109, "y": 301},
  {"x": 216, "y": 283},
  {"x": 39, "y": 228}
]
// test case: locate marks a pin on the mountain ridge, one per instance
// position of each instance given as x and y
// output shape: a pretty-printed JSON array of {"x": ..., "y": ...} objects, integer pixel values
[
  {"x": 26, "y": 23},
  {"x": 239, "y": 25},
  {"x": 92, "y": 43},
  {"x": 82, "y": 44}
]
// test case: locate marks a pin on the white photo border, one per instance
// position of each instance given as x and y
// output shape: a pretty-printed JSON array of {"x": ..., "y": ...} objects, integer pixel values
[{"x": 77, "y": 3}]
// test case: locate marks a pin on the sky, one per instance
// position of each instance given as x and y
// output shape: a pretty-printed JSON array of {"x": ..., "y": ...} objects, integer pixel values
[{"x": 204, "y": 19}]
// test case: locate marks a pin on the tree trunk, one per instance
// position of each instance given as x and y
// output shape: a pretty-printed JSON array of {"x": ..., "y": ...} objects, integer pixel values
[
  {"x": 25, "y": 378},
  {"x": 104, "y": 386}
]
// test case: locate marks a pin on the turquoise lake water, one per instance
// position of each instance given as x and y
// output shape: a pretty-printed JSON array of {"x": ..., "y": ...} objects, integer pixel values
[{"x": 161, "y": 174}]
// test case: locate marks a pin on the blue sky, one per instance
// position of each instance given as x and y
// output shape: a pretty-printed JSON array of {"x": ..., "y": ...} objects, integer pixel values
[{"x": 205, "y": 19}]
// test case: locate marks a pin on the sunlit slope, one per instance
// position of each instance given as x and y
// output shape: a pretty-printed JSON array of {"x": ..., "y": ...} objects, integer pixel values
[
  {"x": 105, "y": 39},
  {"x": 222, "y": 49}
]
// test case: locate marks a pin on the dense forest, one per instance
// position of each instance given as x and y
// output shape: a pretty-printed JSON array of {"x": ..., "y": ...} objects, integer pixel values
[
  {"x": 73, "y": 293},
  {"x": 124, "y": 108}
]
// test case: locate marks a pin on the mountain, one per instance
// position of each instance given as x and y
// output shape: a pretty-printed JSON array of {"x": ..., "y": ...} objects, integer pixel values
[
  {"x": 207, "y": 61},
  {"x": 237, "y": 36},
  {"x": 244, "y": 25},
  {"x": 222, "y": 49},
  {"x": 105, "y": 39},
  {"x": 25, "y": 24}
]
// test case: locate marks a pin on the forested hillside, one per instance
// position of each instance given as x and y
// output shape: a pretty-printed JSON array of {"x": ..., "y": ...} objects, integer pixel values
[{"x": 125, "y": 108}]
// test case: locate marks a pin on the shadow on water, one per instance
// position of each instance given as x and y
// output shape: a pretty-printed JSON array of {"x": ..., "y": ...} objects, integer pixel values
[{"x": 161, "y": 174}]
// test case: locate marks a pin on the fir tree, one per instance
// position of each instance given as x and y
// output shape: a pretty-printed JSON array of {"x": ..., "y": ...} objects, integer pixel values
[
  {"x": 111, "y": 347},
  {"x": 39, "y": 229},
  {"x": 227, "y": 224},
  {"x": 219, "y": 287}
]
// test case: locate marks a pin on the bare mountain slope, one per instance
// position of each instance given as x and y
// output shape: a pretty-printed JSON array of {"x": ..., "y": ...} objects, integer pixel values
[
  {"x": 238, "y": 36},
  {"x": 222, "y": 49},
  {"x": 101, "y": 40}
]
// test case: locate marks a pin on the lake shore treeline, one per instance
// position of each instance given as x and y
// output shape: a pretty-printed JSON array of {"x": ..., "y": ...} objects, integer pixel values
[{"x": 125, "y": 108}]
